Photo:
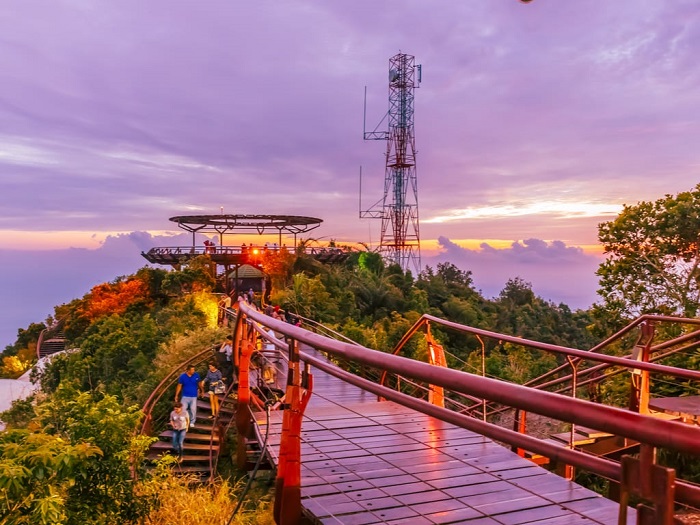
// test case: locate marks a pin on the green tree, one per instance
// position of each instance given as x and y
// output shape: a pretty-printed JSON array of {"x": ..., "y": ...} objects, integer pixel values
[
  {"x": 37, "y": 472},
  {"x": 105, "y": 492},
  {"x": 652, "y": 264},
  {"x": 307, "y": 296}
]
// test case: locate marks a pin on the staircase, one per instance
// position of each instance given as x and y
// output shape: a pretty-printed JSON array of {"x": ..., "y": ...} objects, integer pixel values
[
  {"x": 589, "y": 440},
  {"x": 51, "y": 340},
  {"x": 202, "y": 442}
]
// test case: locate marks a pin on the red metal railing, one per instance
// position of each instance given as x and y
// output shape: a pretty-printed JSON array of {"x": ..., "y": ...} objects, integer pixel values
[{"x": 650, "y": 432}]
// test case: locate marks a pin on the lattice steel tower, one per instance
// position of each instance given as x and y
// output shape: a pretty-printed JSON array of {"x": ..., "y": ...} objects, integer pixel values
[{"x": 398, "y": 210}]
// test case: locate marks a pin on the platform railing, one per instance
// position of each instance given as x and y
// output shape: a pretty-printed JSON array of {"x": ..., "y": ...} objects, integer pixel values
[{"x": 649, "y": 432}]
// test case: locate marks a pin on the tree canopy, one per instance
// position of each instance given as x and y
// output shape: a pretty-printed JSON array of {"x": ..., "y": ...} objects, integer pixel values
[{"x": 652, "y": 264}]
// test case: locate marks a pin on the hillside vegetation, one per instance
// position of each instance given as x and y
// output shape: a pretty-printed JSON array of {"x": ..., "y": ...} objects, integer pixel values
[{"x": 68, "y": 453}]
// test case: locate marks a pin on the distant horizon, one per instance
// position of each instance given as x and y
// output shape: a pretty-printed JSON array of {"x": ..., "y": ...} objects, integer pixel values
[{"x": 549, "y": 267}]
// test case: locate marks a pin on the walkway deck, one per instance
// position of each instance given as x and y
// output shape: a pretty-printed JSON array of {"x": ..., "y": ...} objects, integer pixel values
[{"x": 369, "y": 462}]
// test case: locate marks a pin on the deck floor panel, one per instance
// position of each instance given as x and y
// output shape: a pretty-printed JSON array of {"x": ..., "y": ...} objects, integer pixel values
[{"x": 368, "y": 462}]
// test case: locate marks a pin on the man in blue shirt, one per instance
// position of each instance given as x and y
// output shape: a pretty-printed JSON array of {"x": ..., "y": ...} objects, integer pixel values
[{"x": 189, "y": 384}]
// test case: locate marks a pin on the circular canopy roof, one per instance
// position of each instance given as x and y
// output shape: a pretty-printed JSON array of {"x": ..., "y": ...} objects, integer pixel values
[{"x": 221, "y": 224}]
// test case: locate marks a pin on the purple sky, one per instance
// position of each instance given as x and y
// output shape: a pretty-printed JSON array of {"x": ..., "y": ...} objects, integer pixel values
[{"x": 534, "y": 123}]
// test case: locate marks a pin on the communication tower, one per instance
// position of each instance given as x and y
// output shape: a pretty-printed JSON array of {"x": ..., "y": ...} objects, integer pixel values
[{"x": 398, "y": 210}]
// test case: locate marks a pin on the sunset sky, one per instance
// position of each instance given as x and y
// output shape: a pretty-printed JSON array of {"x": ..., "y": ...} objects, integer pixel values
[{"x": 534, "y": 123}]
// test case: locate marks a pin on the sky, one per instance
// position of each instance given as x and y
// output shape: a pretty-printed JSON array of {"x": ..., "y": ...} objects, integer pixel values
[{"x": 534, "y": 123}]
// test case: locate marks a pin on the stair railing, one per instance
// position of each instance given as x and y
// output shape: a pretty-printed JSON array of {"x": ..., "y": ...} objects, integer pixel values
[
  {"x": 48, "y": 333},
  {"x": 168, "y": 382}
]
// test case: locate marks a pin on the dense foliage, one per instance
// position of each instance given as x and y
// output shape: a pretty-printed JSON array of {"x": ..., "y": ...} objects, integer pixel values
[
  {"x": 653, "y": 257},
  {"x": 68, "y": 453}
]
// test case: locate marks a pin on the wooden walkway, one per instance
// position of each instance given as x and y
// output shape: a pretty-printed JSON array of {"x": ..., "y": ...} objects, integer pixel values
[{"x": 369, "y": 462}]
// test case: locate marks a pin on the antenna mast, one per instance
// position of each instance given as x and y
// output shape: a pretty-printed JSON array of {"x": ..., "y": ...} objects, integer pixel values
[{"x": 400, "y": 237}]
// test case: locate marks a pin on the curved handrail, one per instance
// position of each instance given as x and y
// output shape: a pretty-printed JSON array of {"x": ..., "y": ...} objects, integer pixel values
[
  {"x": 624, "y": 331},
  {"x": 47, "y": 333},
  {"x": 166, "y": 383},
  {"x": 667, "y": 434}
]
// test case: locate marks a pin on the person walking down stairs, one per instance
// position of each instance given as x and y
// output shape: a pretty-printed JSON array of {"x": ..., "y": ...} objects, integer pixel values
[
  {"x": 180, "y": 423},
  {"x": 216, "y": 387},
  {"x": 189, "y": 385}
]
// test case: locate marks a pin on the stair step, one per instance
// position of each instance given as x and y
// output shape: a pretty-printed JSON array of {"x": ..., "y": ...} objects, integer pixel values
[
  {"x": 191, "y": 469},
  {"x": 205, "y": 427},
  {"x": 190, "y": 437},
  {"x": 206, "y": 407},
  {"x": 189, "y": 447},
  {"x": 186, "y": 458},
  {"x": 664, "y": 416},
  {"x": 591, "y": 433},
  {"x": 579, "y": 439}
]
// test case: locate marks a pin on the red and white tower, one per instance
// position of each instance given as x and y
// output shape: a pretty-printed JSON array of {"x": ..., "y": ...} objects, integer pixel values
[{"x": 398, "y": 210}]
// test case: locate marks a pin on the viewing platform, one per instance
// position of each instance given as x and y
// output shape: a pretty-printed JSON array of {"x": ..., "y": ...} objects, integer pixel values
[
  {"x": 247, "y": 253},
  {"x": 236, "y": 255}
]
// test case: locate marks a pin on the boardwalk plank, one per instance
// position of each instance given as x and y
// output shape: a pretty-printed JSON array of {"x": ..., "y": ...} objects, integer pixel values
[{"x": 366, "y": 462}]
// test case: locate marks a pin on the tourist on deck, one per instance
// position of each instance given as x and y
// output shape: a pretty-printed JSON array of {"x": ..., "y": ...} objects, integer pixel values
[
  {"x": 225, "y": 358},
  {"x": 180, "y": 423},
  {"x": 188, "y": 384},
  {"x": 251, "y": 296},
  {"x": 209, "y": 246},
  {"x": 214, "y": 379}
]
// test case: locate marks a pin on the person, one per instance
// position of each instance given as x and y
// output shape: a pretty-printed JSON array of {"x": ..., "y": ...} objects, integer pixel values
[
  {"x": 214, "y": 380},
  {"x": 189, "y": 385},
  {"x": 224, "y": 305},
  {"x": 251, "y": 296},
  {"x": 226, "y": 357},
  {"x": 180, "y": 423},
  {"x": 270, "y": 356}
]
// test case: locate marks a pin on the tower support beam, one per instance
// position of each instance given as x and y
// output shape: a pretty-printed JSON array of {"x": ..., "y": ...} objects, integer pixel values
[{"x": 400, "y": 232}]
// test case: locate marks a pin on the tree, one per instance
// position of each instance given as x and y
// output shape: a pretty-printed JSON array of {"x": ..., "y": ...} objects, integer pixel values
[
  {"x": 36, "y": 473},
  {"x": 652, "y": 264},
  {"x": 104, "y": 493},
  {"x": 75, "y": 466}
]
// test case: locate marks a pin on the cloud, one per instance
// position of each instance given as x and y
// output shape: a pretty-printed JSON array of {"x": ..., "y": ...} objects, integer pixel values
[
  {"x": 557, "y": 272},
  {"x": 131, "y": 113},
  {"x": 533, "y": 121},
  {"x": 33, "y": 282}
]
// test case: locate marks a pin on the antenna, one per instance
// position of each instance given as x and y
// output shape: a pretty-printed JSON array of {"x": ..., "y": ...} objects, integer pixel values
[{"x": 398, "y": 209}]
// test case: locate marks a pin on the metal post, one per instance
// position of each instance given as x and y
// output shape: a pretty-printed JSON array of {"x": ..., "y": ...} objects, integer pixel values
[
  {"x": 243, "y": 351},
  {"x": 569, "y": 469},
  {"x": 287, "y": 508}
]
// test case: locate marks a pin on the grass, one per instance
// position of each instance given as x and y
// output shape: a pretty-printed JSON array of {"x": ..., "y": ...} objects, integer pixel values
[{"x": 183, "y": 500}]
